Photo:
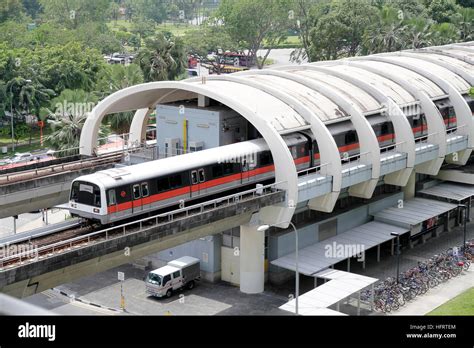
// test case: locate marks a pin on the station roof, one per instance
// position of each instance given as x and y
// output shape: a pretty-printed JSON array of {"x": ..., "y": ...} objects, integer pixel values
[
  {"x": 456, "y": 80},
  {"x": 313, "y": 258},
  {"x": 365, "y": 101},
  {"x": 389, "y": 87},
  {"x": 341, "y": 285},
  {"x": 447, "y": 59},
  {"x": 458, "y": 52},
  {"x": 448, "y": 190},
  {"x": 318, "y": 103},
  {"x": 413, "y": 212},
  {"x": 412, "y": 77}
]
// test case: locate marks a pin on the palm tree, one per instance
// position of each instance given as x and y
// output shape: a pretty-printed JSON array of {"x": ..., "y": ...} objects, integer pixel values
[
  {"x": 465, "y": 23},
  {"x": 418, "y": 34},
  {"x": 70, "y": 113},
  {"x": 387, "y": 34},
  {"x": 27, "y": 95},
  {"x": 444, "y": 33},
  {"x": 163, "y": 59},
  {"x": 115, "y": 78}
]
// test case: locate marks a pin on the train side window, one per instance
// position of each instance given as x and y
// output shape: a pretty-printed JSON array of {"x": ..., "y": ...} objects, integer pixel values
[
  {"x": 350, "y": 137},
  {"x": 74, "y": 191},
  {"x": 112, "y": 198},
  {"x": 145, "y": 191},
  {"x": 163, "y": 184},
  {"x": 265, "y": 158},
  {"x": 202, "y": 177},
  {"x": 194, "y": 178},
  {"x": 136, "y": 191},
  {"x": 217, "y": 170},
  {"x": 451, "y": 112},
  {"x": 176, "y": 181},
  {"x": 293, "y": 151},
  {"x": 97, "y": 197},
  {"x": 228, "y": 168}
]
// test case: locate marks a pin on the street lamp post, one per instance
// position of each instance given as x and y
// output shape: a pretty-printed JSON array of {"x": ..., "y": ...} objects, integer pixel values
[
  {"x": 263, "y": 228},
  {"x": 398, "y": 253},
  {"x": 464, "y": 206},
  {"x": 11, "y": 116}
]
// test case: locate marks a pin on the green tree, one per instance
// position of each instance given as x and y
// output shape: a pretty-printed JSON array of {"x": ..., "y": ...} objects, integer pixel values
[
  {"x": 32, "y": 8},
  {"x": 70, "y": 66},
  {"x": 142, "y": 29},
  {"x": 114, "y": 11},
  {"x": 67, "y": 117},
  {"x": 418, "y": 33},
  {"x": 10, "y": 9},
  {"x": 444, "y": 33},
  {"x": 255, "y": 24},
  {"x": 14, "y": 34},
  {"x": 27, "y": 96},
  {"x": 465, "y": 23},
  {"x": 72, "y": 13},
  {"x": 386, "y": 34},
  {"x": 3, "y": 98},
  {"x": 465, "y": 3},
  {"x": 307, "y": 14},
  {"x": 409, "y": 8},
  {"x": 442, "y": 10},
  {"x": 340, "y": 32},
  {"x": 163, "y": 58},
  {"x": 115, "y": 78}
]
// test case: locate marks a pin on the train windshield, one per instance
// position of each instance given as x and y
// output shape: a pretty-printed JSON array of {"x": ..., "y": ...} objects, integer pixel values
[
  {"x": 154, "y": 278},
  {"x": 85, "y": 193}
]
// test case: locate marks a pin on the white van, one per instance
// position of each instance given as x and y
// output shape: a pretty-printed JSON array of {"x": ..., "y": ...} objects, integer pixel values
[{"x": 175, "y": 275}]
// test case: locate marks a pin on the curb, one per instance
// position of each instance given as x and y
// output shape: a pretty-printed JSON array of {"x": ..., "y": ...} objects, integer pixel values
[{"x": 72, "y": 297}]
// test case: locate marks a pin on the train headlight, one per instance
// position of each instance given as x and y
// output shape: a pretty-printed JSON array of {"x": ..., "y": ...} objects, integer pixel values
[
  {"x": 96, "y": 210},
  {"x": 73, "y": 205}
]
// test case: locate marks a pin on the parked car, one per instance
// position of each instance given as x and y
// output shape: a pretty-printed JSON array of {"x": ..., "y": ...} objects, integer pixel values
[
  {"x": 175, "y": 275},
  {"x": 22, "y": 157}
]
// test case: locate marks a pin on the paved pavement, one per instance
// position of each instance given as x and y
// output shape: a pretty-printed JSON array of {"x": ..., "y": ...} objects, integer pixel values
[
  {"x": 30, "y": 221},
  {"x": 205, "y": 299}
]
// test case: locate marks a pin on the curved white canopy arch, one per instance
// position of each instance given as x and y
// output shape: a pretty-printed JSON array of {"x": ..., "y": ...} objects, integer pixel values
[{"x": 146, "y": 96}]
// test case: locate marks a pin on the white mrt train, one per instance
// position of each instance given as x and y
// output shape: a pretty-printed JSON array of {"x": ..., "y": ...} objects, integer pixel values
[{"x": 115, "y": 194}]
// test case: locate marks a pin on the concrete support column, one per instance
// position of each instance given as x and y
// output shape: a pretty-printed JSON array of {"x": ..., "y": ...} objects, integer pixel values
[
  {"x": 252, "y": 254},
  {"x": 409, "y": 188},
  {"x": 203, "y": 101}
]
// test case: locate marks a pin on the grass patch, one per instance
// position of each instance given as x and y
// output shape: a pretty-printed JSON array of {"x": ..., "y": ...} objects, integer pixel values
[
  {"x": 21, "y": 149},
  {"x": 290, "y": 42},
  {"x": 268, "y": 61},
  {"x": 175, "y": 29},
  {"x": 462, "y": 304}
]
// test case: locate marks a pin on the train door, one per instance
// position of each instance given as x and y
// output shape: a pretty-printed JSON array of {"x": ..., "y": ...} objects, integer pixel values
[
  {"x": 194, "y": 183},
  {"x": 245, "y": 178},
  {"x": 137, "y": 198},
  {"x": 201, "y": 178},
  {"x": 145, "y": 191}
]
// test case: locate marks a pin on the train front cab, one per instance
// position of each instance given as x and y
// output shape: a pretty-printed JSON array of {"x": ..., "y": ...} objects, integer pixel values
[{"x": 86, "y": 200}]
